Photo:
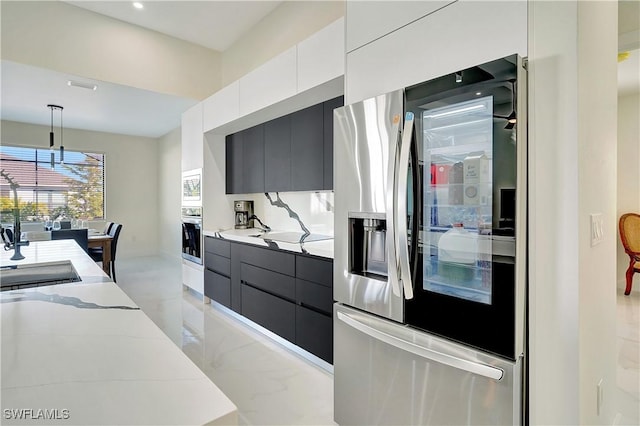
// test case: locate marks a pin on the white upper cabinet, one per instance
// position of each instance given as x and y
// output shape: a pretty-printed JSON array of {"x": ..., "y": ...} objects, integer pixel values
[
  {"x": 458, "y": 36},
  {"x": 270, "y": 83},
  {"x": 370, "y": 20},
  {"x": 309, "y": 64},
  {"x": 192, "y": 138},
  {"x": 222, "y": 107},
  {"x": 321, "y": 56}
]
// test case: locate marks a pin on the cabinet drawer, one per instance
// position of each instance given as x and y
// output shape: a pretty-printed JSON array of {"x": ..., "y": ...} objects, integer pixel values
[
  {"x": 217, "y": 263},
  {"x": 314, "y": 333},
  {"x": 269, "y": 311},
  {"x": 316, "y": 270},
  {"x": 314, "y": 295},
  {"x": 269, "y": 259},
  {"x": 217, "y": 246},
  {"x": 217, "y": 287},
  {"x": 269, "y": 281}
]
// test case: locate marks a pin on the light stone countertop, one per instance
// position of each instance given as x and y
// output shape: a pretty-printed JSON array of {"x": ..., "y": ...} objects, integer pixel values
[
  {"x": 84, "y": 353},
  {"x": 322, "y": 248}
]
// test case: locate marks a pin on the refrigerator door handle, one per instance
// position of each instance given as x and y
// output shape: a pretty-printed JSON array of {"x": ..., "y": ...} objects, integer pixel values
[
  {"x": 402, "y": 241},
  {"x": 392, "y": 258},
  {"x": 442, "y": 358}
]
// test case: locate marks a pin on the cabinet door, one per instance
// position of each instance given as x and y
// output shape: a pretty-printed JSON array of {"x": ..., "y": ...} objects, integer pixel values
[
  {"x": 273, "y": 260},
  {"x": 253, "y": 159},
  {"x": 277, "y": 154},
  {"x": 271, "y": 312},
  {"x": 314, "y": 296},
  {"x": 272, "y": 282},
  {"x": 314, "y": 333},
  {"x": 236, "y": 264},
  {"x": 329, "y": 106},
  {"x": 217, "y": 287},
  {"x": 314, "y": 269},
  {"x": 217, "y": 246},
  {"x": 388, "y": 16},
  {"x": 219, "y": 264},
  {"x": 233, "y": 163},
  {"x": 307, "y": 151}
]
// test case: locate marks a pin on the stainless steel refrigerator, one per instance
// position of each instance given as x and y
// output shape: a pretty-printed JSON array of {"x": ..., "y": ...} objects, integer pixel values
[{"x": 430, "y": 252}]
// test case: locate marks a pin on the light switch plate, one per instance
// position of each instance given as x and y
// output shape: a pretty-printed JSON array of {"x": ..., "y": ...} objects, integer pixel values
[{"x": 597, "y": 229}]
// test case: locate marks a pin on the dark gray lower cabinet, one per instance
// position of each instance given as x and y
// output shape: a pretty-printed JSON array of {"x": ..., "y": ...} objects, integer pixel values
[
  {"x": 314, "y": 295},
  {"x": 287, "y": 293},
  {"x": 236, "y": 287},
  {"x": 314, "y": 332},
  {"x": 271, "y": 312},
  {"x": 272, "y": 282},
  {"x": 217, "y": 287}
]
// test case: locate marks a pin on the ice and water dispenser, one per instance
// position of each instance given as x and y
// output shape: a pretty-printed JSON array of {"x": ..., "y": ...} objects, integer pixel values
[{"x": 367, "y": 245}]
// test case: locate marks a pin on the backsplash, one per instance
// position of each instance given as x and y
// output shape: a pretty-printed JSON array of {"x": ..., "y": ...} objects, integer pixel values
[{"x": 315, "y": 210}]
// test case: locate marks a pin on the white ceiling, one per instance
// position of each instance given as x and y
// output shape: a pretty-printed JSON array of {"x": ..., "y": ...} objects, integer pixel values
[
  {"x": 113, "y": 108},
  {"x": 213, "y": 24}
]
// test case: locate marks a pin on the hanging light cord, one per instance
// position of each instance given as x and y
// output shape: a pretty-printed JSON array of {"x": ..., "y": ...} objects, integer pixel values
[
  {"x": 61, "y": 139},
  {"x": 51, "y": 132}
]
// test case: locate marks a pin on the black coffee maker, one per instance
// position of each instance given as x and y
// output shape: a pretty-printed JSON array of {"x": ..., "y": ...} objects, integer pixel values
[{"x": 243, "y": 214}]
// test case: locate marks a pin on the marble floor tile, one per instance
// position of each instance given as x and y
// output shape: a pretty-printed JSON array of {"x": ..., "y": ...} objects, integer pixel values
[
  {"x": 270, "y": 384},
  {"x": 628, "y": 359}
]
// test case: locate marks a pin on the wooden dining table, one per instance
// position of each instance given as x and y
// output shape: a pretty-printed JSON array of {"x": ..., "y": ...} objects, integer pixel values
[{"x": 103, "y": 241}]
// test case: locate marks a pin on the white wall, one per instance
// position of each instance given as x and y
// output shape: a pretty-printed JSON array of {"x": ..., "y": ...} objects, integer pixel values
[
  {"x": 58, "y": 36},
  {"x": 131, "y": 171},
  {"x": 572, "y": 124},
  {"x": 597, "y": 138},
  {"x": 288, "y": 24},
  {"x": 628, "y": 173},
  {"x": 169, "y": 194}
]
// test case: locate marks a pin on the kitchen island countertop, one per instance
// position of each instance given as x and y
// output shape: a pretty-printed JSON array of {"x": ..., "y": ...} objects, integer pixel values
[{"x": 84, "y": 353}]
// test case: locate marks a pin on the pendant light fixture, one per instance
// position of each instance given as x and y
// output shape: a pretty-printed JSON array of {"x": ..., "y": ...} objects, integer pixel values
[{"x": 51, "y": 136}]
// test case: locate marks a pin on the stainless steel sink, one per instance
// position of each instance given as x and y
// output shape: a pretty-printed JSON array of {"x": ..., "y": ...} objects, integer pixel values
[{"x": 13, "y": 277}]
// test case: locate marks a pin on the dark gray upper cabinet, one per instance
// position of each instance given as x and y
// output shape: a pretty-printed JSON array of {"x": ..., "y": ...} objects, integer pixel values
[
  {"x": 329, "y": 106},
  {"x": 277, "y": 155},
  {"x": 290, "y": 153},
  {"x": 233, "y": 161},
  {"x": 253, "y": 160},
  {"x": 307, "y": 151}
]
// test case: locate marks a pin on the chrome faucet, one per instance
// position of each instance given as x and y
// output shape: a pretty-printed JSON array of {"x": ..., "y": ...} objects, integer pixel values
[
  {"x": 264, "y": 227},
  {"x": 15, "y": 243}
]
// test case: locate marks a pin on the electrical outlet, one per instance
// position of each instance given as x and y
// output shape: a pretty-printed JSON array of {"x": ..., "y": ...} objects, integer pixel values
[
  {"x": 600, "y": 397},
  {"x": 597, "y": 229}
]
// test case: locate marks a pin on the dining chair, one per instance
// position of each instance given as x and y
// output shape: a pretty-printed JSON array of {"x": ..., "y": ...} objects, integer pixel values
[
  {"x": 96, "y": 253},
  {"x": 81, "y": 236},
  {"x": 629, "y": 226},
  {"x": 107, "y": 228}
]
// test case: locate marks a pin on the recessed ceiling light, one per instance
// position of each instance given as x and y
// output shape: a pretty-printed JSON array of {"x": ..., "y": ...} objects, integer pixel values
[
  {"x": 89, "y": 86},
  {"x": 138, "y": 5}
]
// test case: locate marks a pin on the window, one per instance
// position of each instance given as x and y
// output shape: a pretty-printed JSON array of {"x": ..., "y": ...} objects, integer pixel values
[{"x": 73, "y": 190}]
